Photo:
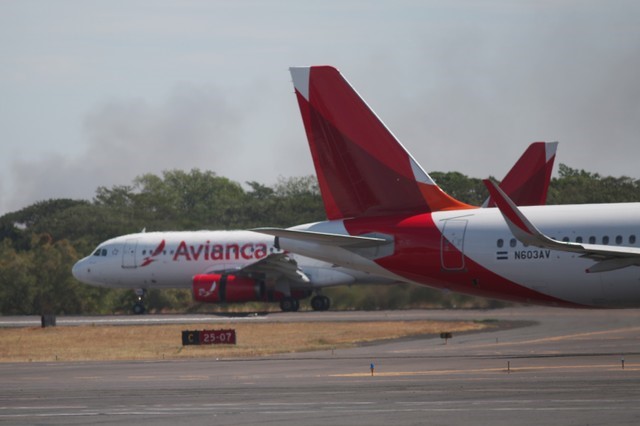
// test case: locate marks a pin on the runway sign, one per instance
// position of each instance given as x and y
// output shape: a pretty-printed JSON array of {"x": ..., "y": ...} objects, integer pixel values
[
  {"x": 216, "y": 337},
  {"x": 209, "y": 337}
]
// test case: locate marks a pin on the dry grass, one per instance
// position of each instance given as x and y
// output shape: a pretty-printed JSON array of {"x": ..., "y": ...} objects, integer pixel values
[{"x": 88, "y": 343}]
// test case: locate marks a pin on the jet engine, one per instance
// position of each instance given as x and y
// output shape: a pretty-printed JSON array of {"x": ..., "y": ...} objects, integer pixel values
[{"x": 223, "y": 288}]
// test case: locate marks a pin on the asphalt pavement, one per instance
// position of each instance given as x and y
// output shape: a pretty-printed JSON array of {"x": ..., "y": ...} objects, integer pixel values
[{"x": 542, "y": 366}]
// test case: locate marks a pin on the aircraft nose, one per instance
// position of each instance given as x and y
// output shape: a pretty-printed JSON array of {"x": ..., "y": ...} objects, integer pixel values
[{"x": 78, "y": 271}]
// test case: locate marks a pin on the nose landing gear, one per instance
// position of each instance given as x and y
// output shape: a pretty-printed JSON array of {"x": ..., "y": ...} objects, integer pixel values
[{"x": 138, "y": 307}]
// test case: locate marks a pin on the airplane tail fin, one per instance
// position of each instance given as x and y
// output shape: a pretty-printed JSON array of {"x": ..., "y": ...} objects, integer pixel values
[
  {"x": 362, "y": 169},
  {"x": 528, "y": 180}
]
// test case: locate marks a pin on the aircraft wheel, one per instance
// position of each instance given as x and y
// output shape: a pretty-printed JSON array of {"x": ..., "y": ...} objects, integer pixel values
[
  {"x": 138, "y": 308},
  {"x": 326, "y": 303},
  {"x": 289, "y": 304},
  {"x": 320, "y": 303},
  {"x": 317, "y": 303}
]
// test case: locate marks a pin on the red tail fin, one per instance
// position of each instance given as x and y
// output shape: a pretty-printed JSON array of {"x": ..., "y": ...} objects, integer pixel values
[
  {"x": 528, "y": 180},
  {"x": 362, "y": 169}
]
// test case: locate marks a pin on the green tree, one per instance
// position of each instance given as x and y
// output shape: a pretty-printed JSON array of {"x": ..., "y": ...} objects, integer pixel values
[
  {"x": 260, "y": 205},
  {"x": 298, "y": 201},
  {"x": 57, "y": 291},
  {"x": 191, "y": 200},
  {"x": 574, "y": 186},
  {"x": 17, "y": 285}
]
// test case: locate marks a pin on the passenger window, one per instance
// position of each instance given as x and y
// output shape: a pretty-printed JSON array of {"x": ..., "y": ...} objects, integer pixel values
[
  {"x": 578, "y": 239},
  {"x": 605, "y": 240},
  {"x": 512, "y": 243},
  {"x": 618, "y": 239},
  {"x": 104, "y": 252},
  {"x": 632, "y": 239},
  {"x": 592, "y": 240},
  {"x": 144, "y": 252},
  {"x": 500, "y": 243}
]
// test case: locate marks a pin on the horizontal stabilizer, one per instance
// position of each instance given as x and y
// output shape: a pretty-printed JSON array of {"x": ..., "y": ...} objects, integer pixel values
[
  {"x": 337, "y": 240},
  {"x": 608, "y": 257}
]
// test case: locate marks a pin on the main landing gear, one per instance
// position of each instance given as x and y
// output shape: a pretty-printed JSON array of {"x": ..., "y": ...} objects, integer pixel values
[
  {"x": 289, "y": 304},
  {"x": 320, "y": 303},
  {"x": 138, "y": 307}
]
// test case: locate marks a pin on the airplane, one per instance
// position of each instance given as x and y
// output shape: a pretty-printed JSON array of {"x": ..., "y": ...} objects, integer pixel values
[
  {"x": 387, "y": 217},
  {"x": 219, "y": 267},
  {"x": 244, "y": 266}
]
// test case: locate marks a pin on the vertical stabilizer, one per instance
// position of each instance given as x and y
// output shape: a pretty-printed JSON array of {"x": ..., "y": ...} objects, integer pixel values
[
  {"x": 527, "y": 182},
  {"x": 362, "y": 169}
]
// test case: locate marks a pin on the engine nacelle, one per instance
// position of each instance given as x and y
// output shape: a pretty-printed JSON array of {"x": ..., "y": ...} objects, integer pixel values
[{"x": 221, "y": 288}]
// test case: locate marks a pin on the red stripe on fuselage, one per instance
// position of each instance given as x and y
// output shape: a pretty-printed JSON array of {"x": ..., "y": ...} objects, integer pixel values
[{"x": 417, "y": 258}]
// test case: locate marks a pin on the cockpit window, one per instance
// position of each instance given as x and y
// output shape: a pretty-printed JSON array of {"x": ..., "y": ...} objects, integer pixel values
[{"x": 100, "y": 252}]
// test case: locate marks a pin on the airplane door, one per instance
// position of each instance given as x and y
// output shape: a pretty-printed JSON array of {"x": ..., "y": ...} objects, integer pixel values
[
  {"x": 452, "y": 245},
  {"x": 129, "y": 253}
]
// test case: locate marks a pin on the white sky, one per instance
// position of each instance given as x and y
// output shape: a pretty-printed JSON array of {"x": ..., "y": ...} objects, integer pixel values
[{"x": 97, "y": 92}]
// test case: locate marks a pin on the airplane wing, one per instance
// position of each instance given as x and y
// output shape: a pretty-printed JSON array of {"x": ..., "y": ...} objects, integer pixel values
[
  {"x": 279, "y": 264},
  {"x": 608, "y": 258},
  {"x": 274, "y": 265}
]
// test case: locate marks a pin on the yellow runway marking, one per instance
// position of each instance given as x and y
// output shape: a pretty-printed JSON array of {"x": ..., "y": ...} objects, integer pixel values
[
  {"x": 580, "y": 335},
  {"x": 194, "y": 378}
]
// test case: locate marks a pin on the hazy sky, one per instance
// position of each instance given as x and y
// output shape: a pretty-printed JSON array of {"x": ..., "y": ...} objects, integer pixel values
[{"x": 97, "y": 92}]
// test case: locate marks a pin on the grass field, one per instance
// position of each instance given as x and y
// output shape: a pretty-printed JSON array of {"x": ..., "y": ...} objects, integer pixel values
[{"x": 153, "y": 342}]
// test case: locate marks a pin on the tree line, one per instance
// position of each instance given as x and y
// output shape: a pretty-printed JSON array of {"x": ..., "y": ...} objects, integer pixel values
[{"x": 40, "y": 243}]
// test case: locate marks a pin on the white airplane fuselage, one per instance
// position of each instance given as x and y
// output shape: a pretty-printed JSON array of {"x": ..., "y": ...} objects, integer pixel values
[
  {"x": 474, "y": 252},
  {"x": 172, "y": 259}
]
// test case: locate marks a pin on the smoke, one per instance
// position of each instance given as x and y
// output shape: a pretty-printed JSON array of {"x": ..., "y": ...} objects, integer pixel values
[{"x": 194, "y": 127}]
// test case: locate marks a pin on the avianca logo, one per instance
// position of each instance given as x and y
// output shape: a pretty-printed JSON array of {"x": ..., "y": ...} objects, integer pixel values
[
  {"x": 229, "y": 251},
  {"x": 150, "y": 259},
  {"x": 206, "y": 293}
]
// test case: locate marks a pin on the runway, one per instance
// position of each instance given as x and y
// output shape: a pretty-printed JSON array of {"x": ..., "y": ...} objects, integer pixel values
[{"x": 567, "y": 368}]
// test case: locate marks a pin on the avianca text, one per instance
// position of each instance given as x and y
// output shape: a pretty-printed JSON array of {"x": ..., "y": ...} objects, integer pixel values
[{"x": 229, "y": 251}]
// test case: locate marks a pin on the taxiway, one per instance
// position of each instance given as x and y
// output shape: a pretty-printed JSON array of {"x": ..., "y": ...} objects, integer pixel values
[{"x": 565, "y": 367}]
